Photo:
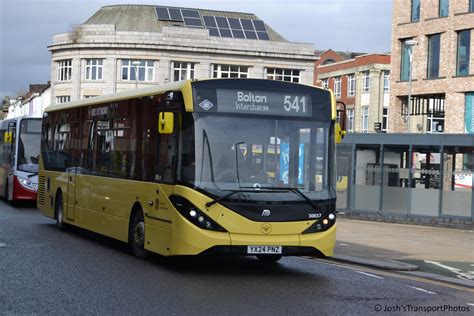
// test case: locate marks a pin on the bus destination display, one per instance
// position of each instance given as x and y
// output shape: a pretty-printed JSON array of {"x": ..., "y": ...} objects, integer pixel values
[{"x": 263, "y": 102}]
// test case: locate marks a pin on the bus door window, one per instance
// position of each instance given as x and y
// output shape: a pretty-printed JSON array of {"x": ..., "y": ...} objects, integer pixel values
[{"x": 103, "y": 146}]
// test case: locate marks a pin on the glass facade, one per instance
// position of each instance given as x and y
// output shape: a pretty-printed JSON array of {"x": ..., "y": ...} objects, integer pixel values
[
  {"x": 433, "y": 56},
  {"x": 415, "y": 10},
  {"x": 405, "y": 63},
  {"x": 463, "y": 53},
  {"x": 443, "y": 8}
]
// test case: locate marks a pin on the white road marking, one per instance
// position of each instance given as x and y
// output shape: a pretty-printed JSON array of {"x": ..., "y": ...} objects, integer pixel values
[
  {"x": 422, "y": 290},
  {"x": 344, "y": 245},
  {"x": 471, "y": 304},
  {"x": 2, "y": 244},
  {"x": 443, "y": 266},
  {"x": 371, "y": 275}
]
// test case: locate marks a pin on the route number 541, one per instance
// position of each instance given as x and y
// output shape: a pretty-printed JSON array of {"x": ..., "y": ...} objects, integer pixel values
[{"x": 294, "y": 103}]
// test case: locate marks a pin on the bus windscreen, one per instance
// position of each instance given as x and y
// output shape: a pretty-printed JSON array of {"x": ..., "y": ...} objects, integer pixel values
[{"x": 29, "y": 145}]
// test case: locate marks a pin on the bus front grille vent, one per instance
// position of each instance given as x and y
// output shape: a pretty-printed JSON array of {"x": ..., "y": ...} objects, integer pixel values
[{"x": 41, "y": 190}]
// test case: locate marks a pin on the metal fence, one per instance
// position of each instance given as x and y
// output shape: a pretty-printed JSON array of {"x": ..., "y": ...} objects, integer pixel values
[{"x": 420, "y": 177}]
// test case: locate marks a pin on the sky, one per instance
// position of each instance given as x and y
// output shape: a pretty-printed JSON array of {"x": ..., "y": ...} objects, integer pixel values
[{"x": 27, "y": 28}]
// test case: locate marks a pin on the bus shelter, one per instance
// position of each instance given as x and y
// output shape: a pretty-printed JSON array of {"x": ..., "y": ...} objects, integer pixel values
[{"x": 424, "y": 178}]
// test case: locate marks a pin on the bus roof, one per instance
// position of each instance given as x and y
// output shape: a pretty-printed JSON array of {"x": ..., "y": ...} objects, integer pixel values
[
  {"x": 128, "y": 94},
  {"x": 136, "y": 93}
]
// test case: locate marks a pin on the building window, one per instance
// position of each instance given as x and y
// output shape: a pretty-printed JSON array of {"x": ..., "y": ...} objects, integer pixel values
[
  {"x": 182, "y": 70},
  {"x": 63, "y": 99},
  {"x": 230, "y": 71},
  {"x": 94, "y": 68},
  {"x": 350, "y": 120},
  {"x": 386, "y": 81},
  {"x": 443, "y": 8},
  {"x": 471, "y": 5},
  {"x": 463, "y": 54},
  {"x": 405, "y": 65},
  {"x": 435, "y": 124},
  {"x": 469, "y": 113},
  {"x": 325, "y": 83},
  {"x": 365, "y": 81},
  {"x": 64, "y": 70},
  {"x": 385, "y": 120},
  {"x": 415, "y": 10},
  {"x": 351, "y": 85},
  {"x": 145, "y": 69},
  {"x": 433, "y": 56},
  {"x": 365, "y": 119},
  {"x": 337, "y": 87},
  {"x": 292, "y": 75}
]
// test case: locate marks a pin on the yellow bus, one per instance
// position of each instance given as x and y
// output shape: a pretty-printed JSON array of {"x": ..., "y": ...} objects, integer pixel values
[{"x": 221, "y": 166}]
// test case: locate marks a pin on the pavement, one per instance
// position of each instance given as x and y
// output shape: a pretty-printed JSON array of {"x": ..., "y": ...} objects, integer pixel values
[{"x": 440, "y": 253}]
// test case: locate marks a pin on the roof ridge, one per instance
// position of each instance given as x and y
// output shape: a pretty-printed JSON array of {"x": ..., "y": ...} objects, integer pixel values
[{"x": 173, "y": 7}]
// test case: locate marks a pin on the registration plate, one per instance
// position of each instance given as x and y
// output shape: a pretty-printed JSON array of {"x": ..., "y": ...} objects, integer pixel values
[{"x": 264, "y": 249}]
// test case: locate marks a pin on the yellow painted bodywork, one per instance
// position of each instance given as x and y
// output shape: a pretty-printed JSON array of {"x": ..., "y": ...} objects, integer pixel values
[{"x": 104, "y": 205}]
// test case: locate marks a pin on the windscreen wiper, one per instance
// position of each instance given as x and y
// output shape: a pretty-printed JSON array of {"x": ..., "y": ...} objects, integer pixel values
[
  {"x": 232, "y": 192},
  {"x": 294, "y": 190},
  {"x": 32, "y": 175}
]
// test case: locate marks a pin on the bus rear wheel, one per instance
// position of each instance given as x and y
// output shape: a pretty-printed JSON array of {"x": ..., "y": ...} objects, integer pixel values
[
  {"x": 269, "y": 258},
  {"x": 137, "y": 235},
  {"x": 59, "y": 213}
]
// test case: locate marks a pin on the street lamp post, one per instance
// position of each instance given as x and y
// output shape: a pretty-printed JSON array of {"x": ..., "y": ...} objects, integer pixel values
[
  {"x": 410, "y": 44},
  {"x": 136, "y": 63}
]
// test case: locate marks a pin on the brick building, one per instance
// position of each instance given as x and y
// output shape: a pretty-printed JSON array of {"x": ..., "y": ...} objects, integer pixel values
[
  {"x": 127, "y": 46},
  {"x": 442, "y": 67},
  {"x": 361, "y": 81}
]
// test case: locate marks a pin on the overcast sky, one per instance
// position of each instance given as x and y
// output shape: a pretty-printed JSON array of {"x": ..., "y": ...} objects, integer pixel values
[{"x": 27, "y": 27}]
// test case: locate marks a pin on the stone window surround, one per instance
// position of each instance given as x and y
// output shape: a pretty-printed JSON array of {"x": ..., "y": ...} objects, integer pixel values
[
  {"x": 64, "y": 70},
  {"x": 148, "y": 67},
  {"x": 282, "y": 74},
  {"x": 94, "y": 66},
  {"x": 182, "y": 70},
  {"x": 229, "y": 71},
  {"x": 337, "y": 87}
]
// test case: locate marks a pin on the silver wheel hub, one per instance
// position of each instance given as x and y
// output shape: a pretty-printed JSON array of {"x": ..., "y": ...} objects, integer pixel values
[{"x": 139, "y": 233}]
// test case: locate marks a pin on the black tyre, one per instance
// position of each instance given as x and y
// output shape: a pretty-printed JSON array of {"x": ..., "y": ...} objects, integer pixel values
[
  {"x": 136, "y": 236},
  {"x": 59, "y": 212},
  {"x": 269, "y": 258}
]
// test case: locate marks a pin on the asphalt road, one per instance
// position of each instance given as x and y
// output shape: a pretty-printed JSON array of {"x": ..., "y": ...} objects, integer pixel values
[{"x": 46, "y": 271}]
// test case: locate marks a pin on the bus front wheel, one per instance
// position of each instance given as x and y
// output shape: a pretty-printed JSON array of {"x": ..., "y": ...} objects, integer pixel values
[{"x": 137, "y": 235}]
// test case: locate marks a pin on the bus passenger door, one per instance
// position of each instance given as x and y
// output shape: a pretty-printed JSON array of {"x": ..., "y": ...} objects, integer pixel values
[{"x": 71, "y": 140}]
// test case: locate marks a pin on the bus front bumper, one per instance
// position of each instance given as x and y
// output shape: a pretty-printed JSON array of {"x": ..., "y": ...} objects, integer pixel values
[{"x": 190, "y": 240}]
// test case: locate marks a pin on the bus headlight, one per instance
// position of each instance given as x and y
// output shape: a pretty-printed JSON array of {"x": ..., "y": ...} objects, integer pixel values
[
  {"x": 322, "y": 224},
  {"x": 26, "y": 183},
  {"x": 194, "y": 215}
]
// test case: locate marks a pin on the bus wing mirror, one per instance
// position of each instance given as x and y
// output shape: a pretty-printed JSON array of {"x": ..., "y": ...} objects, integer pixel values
[
  {"x": 165, "y": 122},
  {"x": 341, "y": 121},
  {"x": 7, "y": 138}
]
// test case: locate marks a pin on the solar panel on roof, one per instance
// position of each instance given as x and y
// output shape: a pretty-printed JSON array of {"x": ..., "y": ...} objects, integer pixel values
[
  {"x": 234, "y": 24},
  {"x": 225, "y": 32},
  {"x": 190, "y": 14},
  {"x": 263, "y": 36},
  {"x": 250, "y": 35},
  {"x": 238, "y": 34},
  {"x": 162, "y": 14},
  {"x": 259, "y": 26},
  {"x": 209, "y": 21},
  {"x": 213, "y": 31},
  {"x": 222, "y": 22},
  {"x": 191, "y": 22},
  {"x": 247, "y": 24},
  {"x": 175, "y": 14}
]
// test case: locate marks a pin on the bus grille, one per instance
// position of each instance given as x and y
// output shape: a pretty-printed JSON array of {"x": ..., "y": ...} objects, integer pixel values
[{"x": 41, "y": 190}]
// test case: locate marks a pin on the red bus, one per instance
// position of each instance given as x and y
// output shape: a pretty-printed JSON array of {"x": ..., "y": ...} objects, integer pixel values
[{"x": 19, "y": 152}]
